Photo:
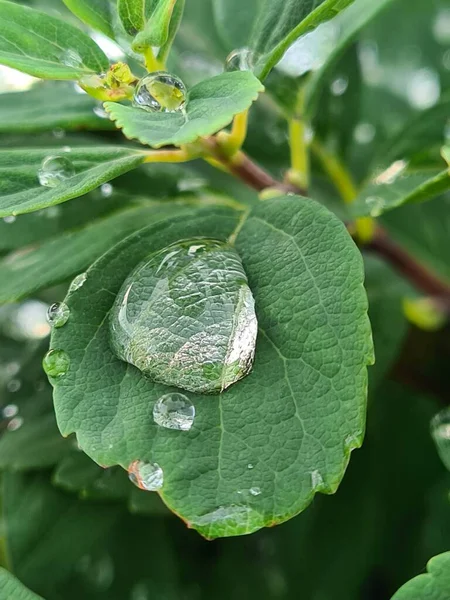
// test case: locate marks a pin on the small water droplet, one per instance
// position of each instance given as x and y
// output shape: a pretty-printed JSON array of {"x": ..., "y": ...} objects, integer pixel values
[
  {"x": 66, "y": 149},
  {"x": 250, "y": 466},
  {"x": 78, "y": 282},
  {"x": 364, "y": 133},
  {"x": 339, "y": 86},
  {"x": 255, "y": 491},
  {"x": 10, "y": 410},
  {"x": 9, "y": 219},
  {"x": 317, "y": 482},
  {"x": 56, "y": 363},
  {"x": 242, "y": 59},
  {"x": 440, "y": 430},
  {"x": 174, "y": 411},
  {"x": 59, "y": 133},
  {"x": 423, "y": 89},
  {"x": 71, "y": 58},
  {"x": 160, "y": 92},
  {"x": 106, "y": 190},
  {"x": 14, "y": 385},
  {"x": 54, "y": 170},
  {"x": 15, "y": 424},
  {"x": 100, "y": 111},
  {"x": 146, "y": 476},
  {"x": 58, "y": 314}
]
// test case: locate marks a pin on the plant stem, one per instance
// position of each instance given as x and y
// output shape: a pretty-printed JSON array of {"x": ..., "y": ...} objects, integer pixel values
[
  {"x": 168, "y": 156},
  {"x": 364, "y": 227},
  {"x": 299, "y": 171},
  {"x": 151, "y": 62},
  {"x": 232, "y": 142}
]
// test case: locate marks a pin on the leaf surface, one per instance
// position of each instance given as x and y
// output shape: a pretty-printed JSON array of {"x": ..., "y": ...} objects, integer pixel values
[
  {"x": 48, "y": 106},
  {"x": 12, "y": 589},
  {"x": 96, "y": 13},
  {"x": 434, "y": 585},
  {"x": 212, "y": 105},
  {"x": 287, "y": 429},
  {"x": 41, "y": 45},
  {"x": 21, "y": 192}
]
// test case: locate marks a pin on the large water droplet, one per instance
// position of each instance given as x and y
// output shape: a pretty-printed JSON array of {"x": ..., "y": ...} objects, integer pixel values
[
  {"x": 174, "y": 411},
  {"x": 146, "y": 476},
  {"x": 78, "y": 282},
  {"x": 160, "y": 92},
  {"x": 56, "y": 363},
  {"x": 242, "y": 59},
  {"x": 54, "y": 170},
  {"x": 185, "y": 317},
  {"x": 58, "y": 314},
  {"x": 440, "y": 430}
]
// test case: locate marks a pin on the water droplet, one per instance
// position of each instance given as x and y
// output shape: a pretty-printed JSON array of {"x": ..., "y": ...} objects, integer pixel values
[
  {"x": 59, "y": 133},
  {"x": 391, "y": 174},
  {"x": 185, "y": 317},
  {"x": 250, "y": 466},
  {"x": 364, "y": 133},
  {"x": 14, "y": 385},
  {"x": 10, "y": 410},
  {"x": 56, "y": 363},
  {"x": 58, "y": 314},
  {"x": 100, "y": 111},
  {"x": 146, "y": 476},
  {"x": 160, "y": 92},
  {"x": 15, "y": 424},
  {"x": 54, "y": 170},
  {"x": 423, "y": 89},
  {"x": 339, "y": 86},
  {"x": 255, "y": 491},
  {"x": 71, "y": 58},
  {"x": 174, "y": 411},
  {"x": 317, "y": 482},
  {"x": 231, "y": 519},
  {"x": 78, "y": 282},
  {"x": 441, "y": 27},
  {"x": 9, "y": 219},
  {"x": 242, "y": 59},
  {"x": 440, "y": 430},
  {"x": 106, "y": 190}
]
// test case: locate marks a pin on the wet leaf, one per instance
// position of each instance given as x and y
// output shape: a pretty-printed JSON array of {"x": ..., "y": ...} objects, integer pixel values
[
  {"x": 307, "y": 388},
  {"x": 41, "y": 45}
]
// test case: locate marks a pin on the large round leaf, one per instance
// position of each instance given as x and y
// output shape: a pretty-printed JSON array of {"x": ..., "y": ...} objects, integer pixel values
[{"x": 257, "y": 453}]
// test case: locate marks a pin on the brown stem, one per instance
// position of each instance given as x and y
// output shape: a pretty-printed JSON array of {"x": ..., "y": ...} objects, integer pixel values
[{"x": 405, "y": 264}]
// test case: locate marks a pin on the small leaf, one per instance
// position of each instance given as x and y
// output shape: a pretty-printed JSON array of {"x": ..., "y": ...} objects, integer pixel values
[
  {"x": 212, "y": 105},
  {"x": 20, "y": 188},
  {"x": 96, "y": 13},
  {"x": 40, "y": 45},
  {"x": 134, "y": 14},
  {"x": 12, "y": 589},
  {"x": 71, "y": 253},
  {"x": 384, "y": 194},
  {"x": 307, "y": 388},
  {"x": 156, "y": 30},
  {"x": 48, "y": 106},
  {"x": 434, "y": 585}
]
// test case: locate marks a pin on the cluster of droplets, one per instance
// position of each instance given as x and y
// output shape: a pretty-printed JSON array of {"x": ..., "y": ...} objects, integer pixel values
[
  {"x": 10, "y": 417},
  {"x": 160, "y": 92}
]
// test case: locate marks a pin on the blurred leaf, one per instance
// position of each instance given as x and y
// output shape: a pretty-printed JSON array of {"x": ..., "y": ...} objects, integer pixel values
[
  {"x": 12, "y": 589},
  {"x": 434, "y": 585},
  {"x": 383, "y": 194},
  {"x": 40, "y": 45},
  {"x": 96, "y": 13},
  {"x": 49, "y": 106},
  {"x": 212, "y": 105},
  {"x": 21, "y": 192},
  {"x": 72, "y": 252}
]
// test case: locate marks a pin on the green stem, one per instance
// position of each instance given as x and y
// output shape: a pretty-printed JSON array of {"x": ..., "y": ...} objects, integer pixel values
[{"x": 299, "y": 171}]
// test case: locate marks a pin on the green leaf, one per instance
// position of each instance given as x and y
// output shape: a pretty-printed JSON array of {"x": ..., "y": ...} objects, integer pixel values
[
  {"x": 134, "y": 14},
  {"x": 269, "y": 27},
  {"x": 21, "y": 192},
  {"x": 67, "y": 255},
  {"x": 307, "y": 388},
  {"x": 350, "y": 23},
  {"x": 175, "y": 23},
  {"x": 40, "y": 45},
  {"x": 384, "y": 194},
  {"x": 49, "y": 106},
  {"x": 96, "y": 13},
  {"x": 12, "y": 589},
  {"x": 212, "y": 105},
  {"x": 434, "y": 585},
  {"x": 156, "y": 29},
  {"x": 422, "y": 229}
]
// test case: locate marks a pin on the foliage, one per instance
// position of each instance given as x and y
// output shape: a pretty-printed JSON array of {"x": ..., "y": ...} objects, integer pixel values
[{"x": 318, "y": 156}]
